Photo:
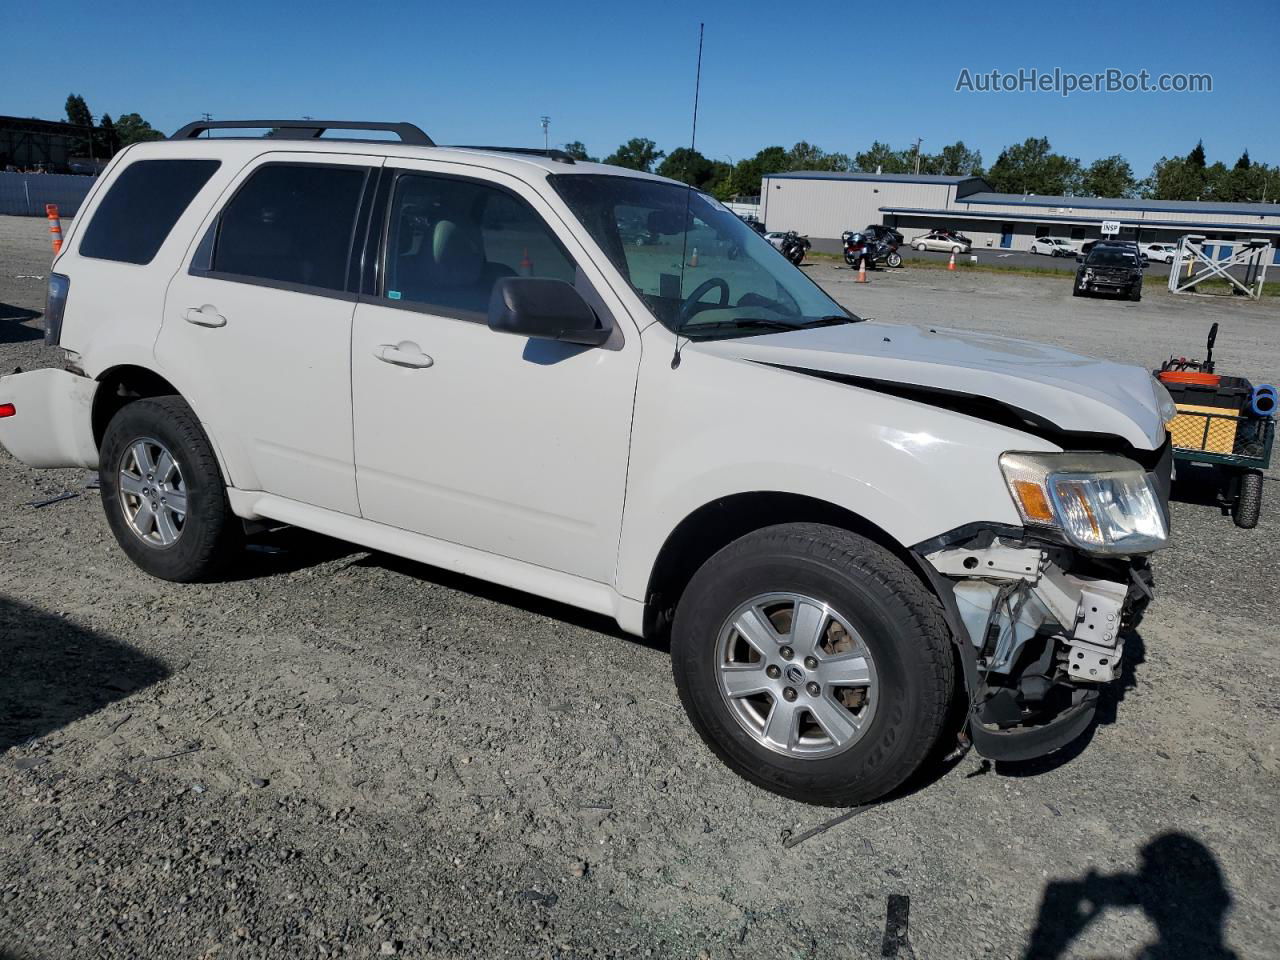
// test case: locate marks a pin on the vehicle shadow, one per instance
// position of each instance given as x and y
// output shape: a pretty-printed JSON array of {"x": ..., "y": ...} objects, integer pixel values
[
  {"x": 1179, "y": 886},
  {"x": 509, "y": 596},
  {"x": 56, "y": 672},
  {"x": 285, "y": 551},
  {"x": 1200, "y": 485},
  {"x": 13, "y": 320}
]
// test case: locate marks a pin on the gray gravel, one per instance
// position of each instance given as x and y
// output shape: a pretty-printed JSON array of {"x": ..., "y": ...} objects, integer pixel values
[{"x": 339, "y": 753}]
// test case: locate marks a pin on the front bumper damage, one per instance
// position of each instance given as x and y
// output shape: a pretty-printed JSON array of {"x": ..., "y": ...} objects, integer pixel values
[{"x": 1040, "y": 627}]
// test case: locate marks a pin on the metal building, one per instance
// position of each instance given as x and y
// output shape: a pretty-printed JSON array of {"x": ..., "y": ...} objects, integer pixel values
[{"x": 824, "y": 205}]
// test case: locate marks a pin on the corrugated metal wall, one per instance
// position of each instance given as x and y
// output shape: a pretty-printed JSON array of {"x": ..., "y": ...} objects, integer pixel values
[{"x": 25, "y": 194}]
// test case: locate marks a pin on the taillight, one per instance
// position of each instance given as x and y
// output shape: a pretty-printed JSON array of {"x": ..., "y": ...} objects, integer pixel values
[
  {"x": 6, "y": 410},
  {"x": 55, "y": 306}
]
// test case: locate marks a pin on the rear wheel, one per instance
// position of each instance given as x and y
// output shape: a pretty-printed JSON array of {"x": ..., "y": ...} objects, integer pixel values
[
  {"x": 1248, "y": 506},
  {"x": 921, "y": 248},
  {"x": 1135, "y": 292},
  {"x": 163, "y": 492},
  {"x": 813, "y": 663},
  {"x": 893, "y": 260}
]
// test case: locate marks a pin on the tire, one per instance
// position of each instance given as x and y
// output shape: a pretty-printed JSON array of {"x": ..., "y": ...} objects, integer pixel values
[
  {"x": 796, "y": 255},
  {"x": 921, "y": 248},
  {"x": 1135, "y": 292},
  {"x": 893, "y": 260},
  {"x": 891, "y": 618},
  {"x": 956, "y": 250},
  {"x": 850, "y": 260},
  {"x": 1248, "y": 506},
  {"x": 207, "y": 534},
  {"x": 1076, "y": 291},
  {"x": 1033, "y": 251}
]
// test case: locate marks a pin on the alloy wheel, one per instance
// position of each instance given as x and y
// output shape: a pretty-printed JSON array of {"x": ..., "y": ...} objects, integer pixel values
[{"x": 153, "y": 494}]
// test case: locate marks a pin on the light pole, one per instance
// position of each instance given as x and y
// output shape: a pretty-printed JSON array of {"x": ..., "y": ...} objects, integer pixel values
[{"x": 546, "y": 139}]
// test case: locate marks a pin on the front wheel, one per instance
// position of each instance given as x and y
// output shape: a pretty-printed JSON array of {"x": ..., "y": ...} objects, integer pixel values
[
  {"x": 921, "y": 248},
  {"x": 796, "y": 255},
  {"x": 814, "y": 663},
  {"x": 893, "y": 260},
  {"x": 163, "y": 492}
]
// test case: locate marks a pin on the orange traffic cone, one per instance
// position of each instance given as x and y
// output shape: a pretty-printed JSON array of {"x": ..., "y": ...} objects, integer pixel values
[
  {"x": 55, "y": 226},
  {"x": 526, "y": 265},
  {"x": 951, "y": 264},
  {"x": 862, "y": 271},
  {"x": 693, "y": 261}
]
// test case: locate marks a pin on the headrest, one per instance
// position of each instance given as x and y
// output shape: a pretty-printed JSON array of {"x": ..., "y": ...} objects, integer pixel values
[{"x": 457, "y": 254}]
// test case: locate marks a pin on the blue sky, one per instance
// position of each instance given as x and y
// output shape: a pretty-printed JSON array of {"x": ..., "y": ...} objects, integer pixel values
[{"x": 838, "y": 75}]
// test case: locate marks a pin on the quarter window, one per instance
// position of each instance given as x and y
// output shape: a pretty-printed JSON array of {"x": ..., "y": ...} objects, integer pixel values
[
  {"x": 449, "y": 241},
  {"x": 291, "y": 224},
  {"x": 141, "y": 207}
]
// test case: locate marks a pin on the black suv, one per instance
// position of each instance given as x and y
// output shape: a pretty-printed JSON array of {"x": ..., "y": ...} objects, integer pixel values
[{"x": 1114, "y": 267}]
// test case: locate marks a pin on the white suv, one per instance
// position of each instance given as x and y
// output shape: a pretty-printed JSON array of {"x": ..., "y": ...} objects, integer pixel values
[{"x": 452, "y": 354}]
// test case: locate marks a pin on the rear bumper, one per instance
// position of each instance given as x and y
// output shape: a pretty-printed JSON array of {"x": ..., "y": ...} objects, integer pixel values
[{"x": 52, "y": 423}]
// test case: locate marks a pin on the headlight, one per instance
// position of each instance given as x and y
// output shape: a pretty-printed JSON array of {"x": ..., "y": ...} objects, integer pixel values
[
  {"x": 1164, "y": 402},
  {"x": 1099, "y": 502}
]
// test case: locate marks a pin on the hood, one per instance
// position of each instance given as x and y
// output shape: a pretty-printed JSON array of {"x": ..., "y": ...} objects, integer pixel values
[{"x": 1041, "y": 384}]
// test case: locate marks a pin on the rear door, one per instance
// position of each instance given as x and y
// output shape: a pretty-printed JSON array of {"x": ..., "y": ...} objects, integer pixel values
[{"x": 258, "y": 320}]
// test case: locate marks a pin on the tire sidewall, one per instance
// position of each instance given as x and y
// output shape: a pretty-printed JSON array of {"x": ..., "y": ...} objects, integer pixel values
[{"x": 872, "y": 766}]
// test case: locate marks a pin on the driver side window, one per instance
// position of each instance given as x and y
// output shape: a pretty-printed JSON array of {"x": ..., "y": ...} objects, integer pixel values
[{"x": 449, "y": 241}]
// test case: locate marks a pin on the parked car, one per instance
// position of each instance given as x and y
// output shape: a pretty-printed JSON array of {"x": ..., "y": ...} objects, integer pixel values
[
  {"x": 1161, "y": 252},
  {"x": 755, "y": 224},
  {"x": 1053, "y": 247},
  {"x": 883, "y": 234},
  {"x": 945, "y": 241},
  {"x": 451, "y": 356},
  {"x": 1110, "y": 267},
  {"x": 865, "y": 249}
]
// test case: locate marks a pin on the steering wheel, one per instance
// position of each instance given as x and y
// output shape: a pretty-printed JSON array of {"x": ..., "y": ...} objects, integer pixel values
[{"x": 691, "y": 301}]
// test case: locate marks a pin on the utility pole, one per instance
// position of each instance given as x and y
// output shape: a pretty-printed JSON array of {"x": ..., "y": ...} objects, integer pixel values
[
  {"x": 919, "y": 140},
  {"x": 546, "y": 140},
  {"x": 207, "y": 118}
]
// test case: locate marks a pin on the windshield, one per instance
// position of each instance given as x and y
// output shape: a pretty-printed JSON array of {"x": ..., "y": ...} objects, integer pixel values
[
  {"x": 1110, "y": 258},
  {"x": 733, "y": 282}
]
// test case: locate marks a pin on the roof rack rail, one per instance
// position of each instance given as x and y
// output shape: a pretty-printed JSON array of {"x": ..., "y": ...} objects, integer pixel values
[
  {"x": 525, "y": 151},
  {"x": 305, "y": 129}
]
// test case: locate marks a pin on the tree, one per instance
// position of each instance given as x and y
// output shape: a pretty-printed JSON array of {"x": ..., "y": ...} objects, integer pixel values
[
  {"x": 1243, "y": 163},
  {"x": 687, "y": 166},
  {"x": 578, "y": 150},
  {"x": 109, "y": 138},
  {"x": 1109, "y": 177},
  {"x": 1195, "y": 158},
  {"x": 805, "y": 156},
  {"x": 882, "y": 158},
  {"x": 131, "y": 128},
  {"x": 747, "y": 174},
  {"x": 78, "y": 113},
  {"x": 1031, "y": 167},
  {"x": 956, "y": 160},
  {"x": 638, "y": 153}
]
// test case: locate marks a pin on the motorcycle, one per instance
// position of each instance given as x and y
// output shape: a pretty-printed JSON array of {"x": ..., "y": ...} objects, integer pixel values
[
  {"x": 858, "y": 245},
  {"x": 792, "y": 246}
]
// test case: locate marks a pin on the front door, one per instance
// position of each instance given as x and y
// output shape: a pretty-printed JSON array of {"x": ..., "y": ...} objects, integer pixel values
[
  {"x": 1006, "y": 235},
  {"x": 514, "y": 446},
  {"x": 257, "y": 327}
]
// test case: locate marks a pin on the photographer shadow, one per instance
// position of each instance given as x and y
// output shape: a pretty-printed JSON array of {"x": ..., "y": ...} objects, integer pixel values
[{"x": 1179, "y": 886}]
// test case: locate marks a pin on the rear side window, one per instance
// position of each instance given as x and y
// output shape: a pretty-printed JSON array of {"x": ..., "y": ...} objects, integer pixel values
[
  {"x": 291, "y": 224},
  {"x": 141, "y": 208}
]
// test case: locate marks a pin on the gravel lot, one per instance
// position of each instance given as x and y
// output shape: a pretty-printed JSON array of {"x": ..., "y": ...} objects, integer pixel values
[{"x": 339, "y": 753}]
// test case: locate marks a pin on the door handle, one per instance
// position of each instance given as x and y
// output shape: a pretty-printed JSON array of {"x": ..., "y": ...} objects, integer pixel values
[
  {"x": 206, "y": 316},
  {"x": 406, "y": 353}
]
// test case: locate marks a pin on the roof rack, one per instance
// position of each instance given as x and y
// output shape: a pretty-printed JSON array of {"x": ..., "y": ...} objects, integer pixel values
[
  {"x": 524, "y": 151},
  {"x": 305, "y": 129}
]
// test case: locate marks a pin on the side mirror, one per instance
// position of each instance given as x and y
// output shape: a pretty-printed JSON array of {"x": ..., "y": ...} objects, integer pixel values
[{"x": 544, "y": 309}]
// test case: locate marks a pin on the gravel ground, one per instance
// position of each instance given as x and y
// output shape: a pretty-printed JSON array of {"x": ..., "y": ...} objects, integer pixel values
[{"x": 338, "y": 753}]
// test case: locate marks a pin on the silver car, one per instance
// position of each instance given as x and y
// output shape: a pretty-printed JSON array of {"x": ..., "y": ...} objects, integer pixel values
[{"x": 943, "y": 241}]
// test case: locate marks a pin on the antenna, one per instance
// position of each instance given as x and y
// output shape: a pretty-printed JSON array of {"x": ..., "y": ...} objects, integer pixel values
[{"x": 688, "y": 197}]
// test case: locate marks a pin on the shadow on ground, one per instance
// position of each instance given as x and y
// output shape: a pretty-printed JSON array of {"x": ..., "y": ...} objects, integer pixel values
[
  {"x": 13, "y": 328},
  {"x": 53, "y": 672},
  {"x": 1179, "y": 886}
]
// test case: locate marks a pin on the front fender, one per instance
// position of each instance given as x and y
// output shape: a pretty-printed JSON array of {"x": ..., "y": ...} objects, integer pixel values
[{"x": 714, "y": 427}]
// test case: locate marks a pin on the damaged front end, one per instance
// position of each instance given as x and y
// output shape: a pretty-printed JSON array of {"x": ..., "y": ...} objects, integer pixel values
[
  {"x": 1040, "y": 611},
  {"x": 1040, "y": 626}
]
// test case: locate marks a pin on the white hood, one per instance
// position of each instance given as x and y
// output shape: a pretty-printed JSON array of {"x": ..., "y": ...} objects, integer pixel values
[{"x": 1075, "y": 393}]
